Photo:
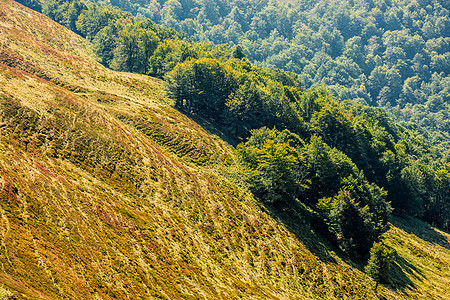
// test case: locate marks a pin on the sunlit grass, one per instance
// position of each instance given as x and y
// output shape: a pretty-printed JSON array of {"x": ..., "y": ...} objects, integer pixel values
[{"x": 108, "y": 192}]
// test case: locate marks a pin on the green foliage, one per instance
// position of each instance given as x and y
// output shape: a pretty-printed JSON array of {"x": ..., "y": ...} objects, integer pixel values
[
  {"x": 439, "y": 210},
  {"x": 243, "y": 98},
  {"x": 326, "y": 168},
  {"x": 238, "y": 52},
  {"x": 165, "y": 58},
  {"x": 33, "y": 4},
  {"x": 379, "y": 263},
  {"x": 95, "y": 18},
  {"x": 378, "y": 53},
  {"x": 105, "y": 43},
  {"x": 135, "y": 45},
  {"x": 335, "y": 127},
  {"x": 245, "y": 109},
  {"x": 350, "y": 223},
  {"x": 65, "y": 12},
  {"x": 202, "y": 86},
  {"x": 236, "y": 95},
  {"x": 273, "y": 165},
  {"x": 128, "y": 58},
  {"x": 282, "y": 169}
]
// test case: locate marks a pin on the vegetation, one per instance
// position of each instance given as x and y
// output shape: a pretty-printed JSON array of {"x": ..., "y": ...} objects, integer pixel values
[
  {"x": 391, "y": 156},
  {"x": 219, "y": 84},
  {"x": 248, "y": 97},
  {"x": 393, "y": 54},
  {"x": 281, "y": 169},
  {"x": 380, "y": 262},
  {"x": 125, "y": 197}
]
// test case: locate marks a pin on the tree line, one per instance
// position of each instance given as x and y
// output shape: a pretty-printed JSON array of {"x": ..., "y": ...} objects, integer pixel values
[
  {"x": 393, "y": 54},
  {"x": 348, "y": 163}
]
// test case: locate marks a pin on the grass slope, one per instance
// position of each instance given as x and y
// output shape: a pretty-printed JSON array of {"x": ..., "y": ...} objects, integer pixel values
[{"x": 106, "y": 192}]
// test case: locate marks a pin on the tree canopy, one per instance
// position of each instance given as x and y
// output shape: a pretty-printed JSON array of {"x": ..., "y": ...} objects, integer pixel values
[
  {"x": 349, "y": 162},
  {"x": 393, "y": 54}
]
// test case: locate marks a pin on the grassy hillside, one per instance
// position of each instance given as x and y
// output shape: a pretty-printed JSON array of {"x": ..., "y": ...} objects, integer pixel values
[{"x": 107, "y": 192}]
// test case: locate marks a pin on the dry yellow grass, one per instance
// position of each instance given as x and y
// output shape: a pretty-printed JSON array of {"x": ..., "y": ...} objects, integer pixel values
[{"x": 107, "y": 192}]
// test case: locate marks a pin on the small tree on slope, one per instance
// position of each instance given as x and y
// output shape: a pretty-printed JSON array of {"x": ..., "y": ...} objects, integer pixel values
[{"x": 379, "y": 263}]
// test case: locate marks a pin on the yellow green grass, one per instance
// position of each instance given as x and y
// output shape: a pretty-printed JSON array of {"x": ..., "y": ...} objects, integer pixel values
[{"x": 107, "y": 192}]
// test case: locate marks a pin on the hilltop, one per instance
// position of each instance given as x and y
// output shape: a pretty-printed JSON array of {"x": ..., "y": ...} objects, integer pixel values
[{"x": 107, "y": 191}]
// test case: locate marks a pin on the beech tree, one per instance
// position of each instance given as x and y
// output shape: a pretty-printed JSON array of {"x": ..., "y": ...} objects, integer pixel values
[
  {"x": 201, "y": 86},
  {"x": 349, "y": 223},
  {"x": 273, "y": 165}
]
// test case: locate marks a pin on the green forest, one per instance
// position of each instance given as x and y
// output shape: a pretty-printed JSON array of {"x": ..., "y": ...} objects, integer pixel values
[
  {"x": 295, "y": 88},
  {"x": 393, "y": 54}
]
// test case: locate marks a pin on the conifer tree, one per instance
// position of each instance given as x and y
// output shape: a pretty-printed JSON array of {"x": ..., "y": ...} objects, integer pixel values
[{"x": 379, "y": 263}]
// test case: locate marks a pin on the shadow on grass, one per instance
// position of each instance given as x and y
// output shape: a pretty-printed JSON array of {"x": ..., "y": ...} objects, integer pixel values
[
  {"x": 211, "y": 127},
  {"x": 308, "y": 230},
  {"x": 421, "y": 229},
  {"x": 313, "y": 234},
  {"x": 306, "y": 227},
  {"x": 399, "y": 274}
]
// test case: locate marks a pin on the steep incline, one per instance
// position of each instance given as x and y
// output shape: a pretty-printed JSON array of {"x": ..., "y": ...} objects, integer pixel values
[{"x": 107, "y": 192}]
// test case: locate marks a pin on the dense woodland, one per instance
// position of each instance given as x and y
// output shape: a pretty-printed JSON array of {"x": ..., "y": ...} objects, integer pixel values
[
  {"x": 394, "y": 54},
  {"x": 348, "y": 163}
]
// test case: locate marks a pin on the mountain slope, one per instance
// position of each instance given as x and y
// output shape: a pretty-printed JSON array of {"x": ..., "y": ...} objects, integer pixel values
[{"x": 108, "y": 192}]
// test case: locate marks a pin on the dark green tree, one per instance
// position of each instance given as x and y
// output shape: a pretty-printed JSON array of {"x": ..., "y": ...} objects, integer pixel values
[
  {"x": 148, "y": 41},
  {"x": 201, "y": 86},
  {"x": 379, "y": 263},
  {"x": 245, "y": 109},
  {"x": 33, "y": 4},
  {"x": 238, "y": 52},
  {"x": 349, "y": 223},
  {"x": 105, "y": 43},
  {"x": 272, "y": 164},
  {"x": 127, "y": 58}
]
